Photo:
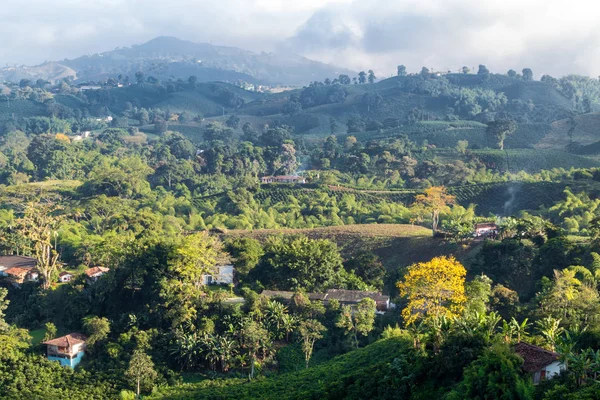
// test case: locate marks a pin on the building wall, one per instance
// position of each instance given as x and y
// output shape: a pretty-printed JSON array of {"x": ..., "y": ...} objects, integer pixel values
[{"x": 223, "y": 276}]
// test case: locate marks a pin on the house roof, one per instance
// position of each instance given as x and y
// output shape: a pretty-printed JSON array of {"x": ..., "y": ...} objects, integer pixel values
[
  {"x": 68, "y": 340},
  {"x": 19, "y": 272},
  {"x": 341, "y": 295},
  {"x": 353, "y": 296},
  {"x": 535, "y": 357},
  {"x": 64, "y": 273},
  {"x": 96, "y": 270},
  {"x": 283, "y": 177},
  {"x": 486, "y": 225},
  {"x": 17, "y": 261}
]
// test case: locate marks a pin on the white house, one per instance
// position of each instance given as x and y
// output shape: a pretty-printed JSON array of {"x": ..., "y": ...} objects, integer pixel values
[
  {"x": 95, "y": 273},
  {"x": 223, "y": 275},
  {"x": 67, "y": 350},
  {"x": 65, "y": 277},
  {"x": 540, "y": 363}
]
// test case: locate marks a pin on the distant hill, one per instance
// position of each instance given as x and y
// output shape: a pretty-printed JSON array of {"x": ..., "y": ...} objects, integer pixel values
[
  {"x": 166, "y": 57},
  {"x": 50, "y": 71}
]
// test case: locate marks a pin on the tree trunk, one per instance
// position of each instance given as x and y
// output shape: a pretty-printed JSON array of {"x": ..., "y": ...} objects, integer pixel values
[{"x": 138, "y": 386}]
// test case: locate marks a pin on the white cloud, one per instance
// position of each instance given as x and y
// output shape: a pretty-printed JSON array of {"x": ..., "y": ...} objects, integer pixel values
[{"x": 550, "y": 36}]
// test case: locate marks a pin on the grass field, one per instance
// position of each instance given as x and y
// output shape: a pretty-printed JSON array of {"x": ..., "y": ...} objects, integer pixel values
[{"x": 37, "y": 335}]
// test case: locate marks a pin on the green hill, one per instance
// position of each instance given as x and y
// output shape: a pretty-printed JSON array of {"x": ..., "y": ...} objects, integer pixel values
[{"x": 318, "y": 382}]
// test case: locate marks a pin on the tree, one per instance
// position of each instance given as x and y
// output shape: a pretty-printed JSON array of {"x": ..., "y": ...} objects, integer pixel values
[
  {"x": 433, "y": 289},
  {"x": 292, "y": 263},
  {"x": 97, "y": 329},
  {"x": 252, "y": 337},
  {"x": 233, "y": 121},
  {"x": 527, "y": 74},
  {"x": 401, "y": 70},
  {"x": 466, "y": 70},
  {"x": 362, "y": 77},
  {"x": 50, "y": 332},
  {"x": 425, "y": 72},
  {"x": 511, "y": 73},
  {"x": 499, "y": 129},
  {"x": 141, "y": 370},
  {"x": 344, "y": 79},
  {"x": 495, "y": 375},
  {"x": 3, "y": 307},
  {"x": 435, "y": 200},
  {"x": 551, "y": 330},
  {"x": 39, "y": 225},
  {"x": 195, "y": 257},
  {"x": 360, "y": 321},
  {"x": 483, "y": 70},
  {"x": 310, "y": 331},
  {"x": 139, "y": 77},
  {"x": 372, "y": 76}
]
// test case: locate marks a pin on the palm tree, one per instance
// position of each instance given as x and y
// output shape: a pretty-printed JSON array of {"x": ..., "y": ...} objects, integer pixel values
[
  {"x": 227, "y": 351},
  {"x": 211, "y": 350},
  {"x": 519, "y": 329},
  {"x": 551, "y": 330},
  {"x": 416, "y": 330}
]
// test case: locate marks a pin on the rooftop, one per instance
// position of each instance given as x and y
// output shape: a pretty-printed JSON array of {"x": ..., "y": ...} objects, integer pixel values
[
  {"x": 19, "y": 272},
  {"x": 17, "y": 261},
  {"x": 96, "y": 270},
  {"x": 68, "y": 340},
  {"x": 535, "y": 357}
]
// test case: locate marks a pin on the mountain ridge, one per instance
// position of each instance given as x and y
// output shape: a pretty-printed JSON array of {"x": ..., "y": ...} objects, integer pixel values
[{"x": 167, "y": 57}]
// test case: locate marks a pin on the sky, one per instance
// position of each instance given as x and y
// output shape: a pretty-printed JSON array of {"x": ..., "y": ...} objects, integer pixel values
[{"x": 555, "y": 37}]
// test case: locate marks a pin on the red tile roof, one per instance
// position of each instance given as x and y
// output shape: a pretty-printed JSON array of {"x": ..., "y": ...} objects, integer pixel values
[
  {"x": 68, "y": 340},
  {"x": 19, "y": 272},
  {"x": 64, "y": 273},
  {"x": 95, "y": 270},
  {"x": 535, "y": 357}
]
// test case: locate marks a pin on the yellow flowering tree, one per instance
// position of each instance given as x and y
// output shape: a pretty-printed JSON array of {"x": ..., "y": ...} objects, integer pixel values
[{"x": 434, "y": 289}]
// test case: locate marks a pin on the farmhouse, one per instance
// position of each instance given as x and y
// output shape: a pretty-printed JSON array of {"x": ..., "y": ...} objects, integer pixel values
[
  {"x": 487, "y": 229},
  {"x": 540, "y": 363},
  {"x": 344, "y": 297},
  {"x": 223, "y": 275},
  {"x": 67, "y": 350},
  {"x": 19, "y": 269},
  {"x": 283, "y": 179},
  {"x": 65, "y": 277},
  {"x": 93, "y": 274}
]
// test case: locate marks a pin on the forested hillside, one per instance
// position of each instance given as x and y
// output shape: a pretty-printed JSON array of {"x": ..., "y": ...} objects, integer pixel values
[{"x": 462, "y": 207}]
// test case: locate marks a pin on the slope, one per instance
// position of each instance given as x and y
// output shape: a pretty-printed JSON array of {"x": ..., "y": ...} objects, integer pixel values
[{"x": 319, "y": 382}]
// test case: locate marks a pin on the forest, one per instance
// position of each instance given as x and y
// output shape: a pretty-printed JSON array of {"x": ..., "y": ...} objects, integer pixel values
[{"x": 129, "y": 195}]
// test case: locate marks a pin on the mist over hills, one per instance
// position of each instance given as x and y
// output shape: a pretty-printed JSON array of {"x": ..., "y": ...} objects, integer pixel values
[{"x": 169, "y": 57}]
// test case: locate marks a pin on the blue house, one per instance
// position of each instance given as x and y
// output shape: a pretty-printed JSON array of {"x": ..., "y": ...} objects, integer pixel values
[{"x": 68, "y": 350}]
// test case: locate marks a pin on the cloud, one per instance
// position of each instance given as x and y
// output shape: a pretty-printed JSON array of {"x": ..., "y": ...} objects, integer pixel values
[{"x": 549, "y": 36}]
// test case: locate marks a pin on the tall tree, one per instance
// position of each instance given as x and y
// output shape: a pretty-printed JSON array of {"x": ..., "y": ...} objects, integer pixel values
[
  {"x": 362, "y": 77},
  {"x": 483, "y": 70},
  {"x": 372, "y": 76},
  {"x": 141, "y": 370},
  {"x": 359, "y": 321},
  {"x": 435, "y": 200},
  {"x": 433, "y": 289},
  {"x": 527, "y": 74},
  {"x": 39, "y": 225},
  {"x": 499, "y": 129},
  {"x": 309, "y": 331},
  {"x": 401, "y": 70}
]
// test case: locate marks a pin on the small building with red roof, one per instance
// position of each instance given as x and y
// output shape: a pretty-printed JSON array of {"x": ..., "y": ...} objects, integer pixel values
[
  {"x": 540, "y": 363},
  {"x": 68, "y": 350}
]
